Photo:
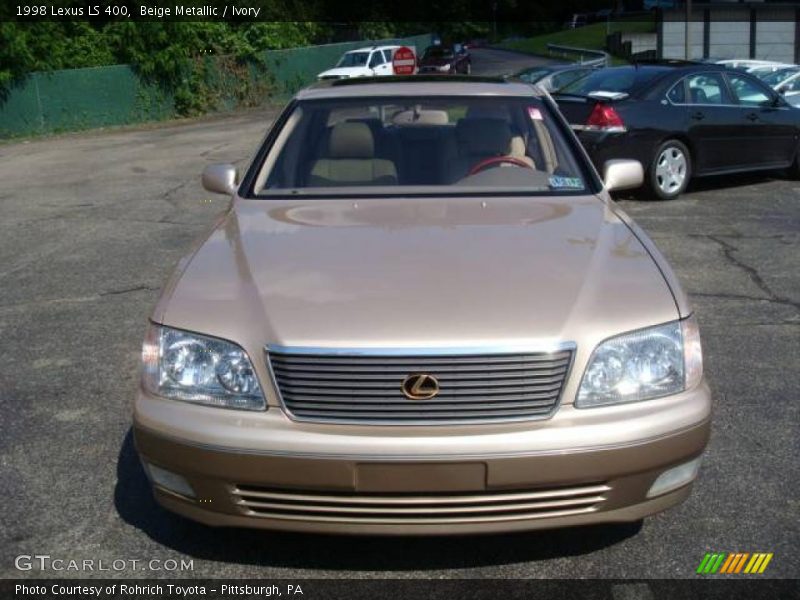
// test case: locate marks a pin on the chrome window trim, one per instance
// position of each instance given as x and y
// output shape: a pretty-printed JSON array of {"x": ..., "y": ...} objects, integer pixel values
[{"x": 539, "y": 346}]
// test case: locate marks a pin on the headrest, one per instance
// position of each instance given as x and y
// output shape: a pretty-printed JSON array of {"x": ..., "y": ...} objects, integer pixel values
[
  {"x": 483, "y": 136},
  {"x": 517, "y": 146},
  {"x": 351, "y": 140}
]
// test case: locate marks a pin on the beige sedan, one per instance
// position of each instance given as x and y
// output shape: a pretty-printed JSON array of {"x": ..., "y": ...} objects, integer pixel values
[{"x": 422, "y": 313}]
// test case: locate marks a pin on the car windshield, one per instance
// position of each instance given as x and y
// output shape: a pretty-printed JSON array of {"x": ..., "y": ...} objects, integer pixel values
[
  {"x": 353, "y": 59},
  {"x": 614, "y": 80},
  {"x": 422, "y": 145},
  {"x": 437, "y": 52},
  {"x": 532, "y": 75},
  {"x": 777, "y": 77}
]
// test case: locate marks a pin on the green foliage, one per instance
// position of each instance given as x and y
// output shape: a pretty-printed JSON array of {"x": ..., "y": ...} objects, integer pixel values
[
  {"x": 170, "y": 54},
  {"x": 591, "y": 37}
]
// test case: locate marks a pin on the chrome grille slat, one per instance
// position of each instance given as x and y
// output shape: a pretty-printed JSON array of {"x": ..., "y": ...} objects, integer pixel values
[
  {"x": 434, "y": 499},
  {"x": 495, "y": 508},
  {"x": 287, "y": 382},
  {"x": 423, "y": 520},
  {"x": 394, "y": 391},
  {"x": 428, "y": 360},
  {"x": 416, "y": 415},
  {"x": 429, "y": 405},
  {"x": 430, "y": 508},
  {"x": 503, "y": 370},
  {"x": 473, "y": 388},
  {"x": 442, "y": 375}
]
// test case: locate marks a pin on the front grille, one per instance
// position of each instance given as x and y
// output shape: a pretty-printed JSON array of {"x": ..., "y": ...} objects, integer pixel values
[
  {"x": 472, "y": 387},
  {"x": 423, "y": 509}
]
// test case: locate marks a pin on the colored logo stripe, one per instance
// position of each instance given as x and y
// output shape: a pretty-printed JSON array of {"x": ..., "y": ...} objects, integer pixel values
[{"x": 734, "y": 562}]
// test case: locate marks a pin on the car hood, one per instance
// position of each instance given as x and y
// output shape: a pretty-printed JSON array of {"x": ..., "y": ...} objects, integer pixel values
[
  {"x": 345, "y": 72},
  {"x": 417, "y": 273}
]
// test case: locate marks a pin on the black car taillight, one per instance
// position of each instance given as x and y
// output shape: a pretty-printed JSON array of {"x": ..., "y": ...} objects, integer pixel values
[{"x": 605, "y": 118}]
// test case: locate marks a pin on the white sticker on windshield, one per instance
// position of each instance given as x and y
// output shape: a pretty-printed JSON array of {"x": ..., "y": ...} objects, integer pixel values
[
  {"x": 534, "y": 113},
  {"x": 559, "y": 182}
]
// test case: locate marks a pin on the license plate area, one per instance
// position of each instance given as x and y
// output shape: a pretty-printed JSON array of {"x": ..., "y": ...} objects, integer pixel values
[{"x": 421, "y": 477}]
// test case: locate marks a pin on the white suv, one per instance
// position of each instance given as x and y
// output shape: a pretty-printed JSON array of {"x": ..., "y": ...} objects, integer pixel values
[{"x": 364, "y": 62}]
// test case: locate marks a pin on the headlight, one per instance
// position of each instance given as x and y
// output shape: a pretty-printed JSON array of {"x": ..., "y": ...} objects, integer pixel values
[
  {"x": 644, "y": 364},
  {"x": 444, "y": 68},
  {"x": 195, "y": 368}
]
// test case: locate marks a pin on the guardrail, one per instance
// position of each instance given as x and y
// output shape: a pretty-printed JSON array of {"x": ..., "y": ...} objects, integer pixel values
[{"x": 586, "y": 56}]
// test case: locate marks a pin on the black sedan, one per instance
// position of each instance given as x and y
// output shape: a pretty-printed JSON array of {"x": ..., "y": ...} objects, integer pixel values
[
  {"x": 445, "y": 59},
  {"x": 554, "y": 77},
  {"x": 682, "y": 120}
]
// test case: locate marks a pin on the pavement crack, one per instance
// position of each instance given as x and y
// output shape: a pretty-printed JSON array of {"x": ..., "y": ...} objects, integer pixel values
[
  {"x": 168, "y": 195},
  {"x": 215, "y": 148},
  {"x": 729, "y": 250},
  {"x": 138, "y": 288}
]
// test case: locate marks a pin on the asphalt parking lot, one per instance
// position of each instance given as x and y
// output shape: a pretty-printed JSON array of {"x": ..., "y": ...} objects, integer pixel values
[{"x": 90, "y": 227}]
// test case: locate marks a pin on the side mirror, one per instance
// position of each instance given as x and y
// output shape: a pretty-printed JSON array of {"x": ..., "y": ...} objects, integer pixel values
[
  {"x": 221, "y": 179},
  {"x": 622, "y": 174}
]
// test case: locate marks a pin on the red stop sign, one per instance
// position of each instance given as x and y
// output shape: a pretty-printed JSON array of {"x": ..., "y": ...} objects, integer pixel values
[{"x": 404, "y": 61}]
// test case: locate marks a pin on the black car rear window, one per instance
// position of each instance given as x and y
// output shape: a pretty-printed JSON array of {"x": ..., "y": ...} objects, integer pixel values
[
  {"x": 618, "y": 79},
  {"x": 436, "y": 52}
]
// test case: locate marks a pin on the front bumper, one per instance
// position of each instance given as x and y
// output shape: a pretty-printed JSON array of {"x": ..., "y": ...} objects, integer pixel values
[{"x": 463, "y": 490}]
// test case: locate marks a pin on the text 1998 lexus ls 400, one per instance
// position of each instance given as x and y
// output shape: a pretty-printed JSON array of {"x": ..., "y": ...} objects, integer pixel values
[{"x": 422, "y": 314}]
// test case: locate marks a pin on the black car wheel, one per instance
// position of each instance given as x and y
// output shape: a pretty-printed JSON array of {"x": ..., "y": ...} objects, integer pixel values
[{"x": 670, "y": 171}]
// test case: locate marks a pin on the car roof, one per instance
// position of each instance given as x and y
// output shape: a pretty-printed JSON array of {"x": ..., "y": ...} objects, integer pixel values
[
  {"x": 416, "y": 85},
  {"x": 668, "y": 66},
  {"x": 371, "y": 48}
]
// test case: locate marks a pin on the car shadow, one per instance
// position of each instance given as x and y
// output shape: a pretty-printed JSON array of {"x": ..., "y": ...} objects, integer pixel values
[
  {"x": 713, "y": 183},
  {"x": 135, "y": 504}
]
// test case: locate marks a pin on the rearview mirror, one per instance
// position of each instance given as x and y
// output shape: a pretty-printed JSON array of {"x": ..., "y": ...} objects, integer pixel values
[
  {"x": 221, "y": 179},
  {"x": 622, "y": 174}
]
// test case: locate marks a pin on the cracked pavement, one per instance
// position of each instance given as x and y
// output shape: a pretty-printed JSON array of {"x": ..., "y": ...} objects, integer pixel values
[{"x": 92, "y": 224}]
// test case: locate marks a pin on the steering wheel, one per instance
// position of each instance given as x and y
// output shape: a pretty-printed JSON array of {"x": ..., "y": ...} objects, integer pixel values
[{"x": 496, "y": 160}]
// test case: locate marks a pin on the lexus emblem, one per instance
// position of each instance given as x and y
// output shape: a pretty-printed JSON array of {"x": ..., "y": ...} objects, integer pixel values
[{"x": 420, "y": 386}]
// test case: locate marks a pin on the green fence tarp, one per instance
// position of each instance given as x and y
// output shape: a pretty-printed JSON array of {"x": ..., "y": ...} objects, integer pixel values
[{"x": 74, "y": 99}]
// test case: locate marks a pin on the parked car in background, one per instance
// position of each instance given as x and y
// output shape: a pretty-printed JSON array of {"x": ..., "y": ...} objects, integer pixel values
[
  {"x": 785, "y": 81},
  {"x": 749, "y": 64},
  {"x": 765, "y": 70},
  {"x": 421, "y": 313},
  {"x": 682, "y": 120},
  {"x": 364, "y": 62},
  {"x": 476, "y": 43},
  {"x": 553, "y": 77},
  {"x": 451, "y": 59}
]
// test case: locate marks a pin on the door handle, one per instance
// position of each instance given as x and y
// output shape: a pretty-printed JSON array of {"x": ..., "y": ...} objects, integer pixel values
[
  {"x": 698, "y": 116},
  {"x": 752, "y": 117}
]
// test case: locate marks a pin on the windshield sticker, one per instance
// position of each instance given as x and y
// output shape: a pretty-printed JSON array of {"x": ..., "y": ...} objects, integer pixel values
[
  {"x": 534, "y": 113},
  {"x": 559, "y": 182}
]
